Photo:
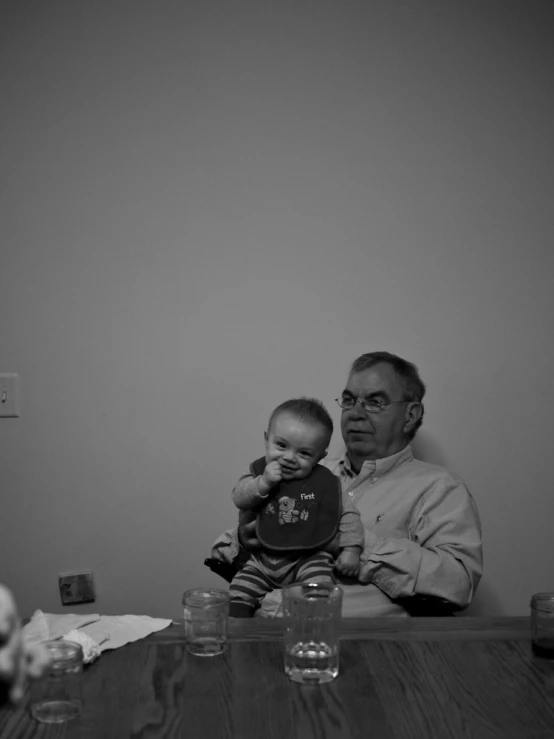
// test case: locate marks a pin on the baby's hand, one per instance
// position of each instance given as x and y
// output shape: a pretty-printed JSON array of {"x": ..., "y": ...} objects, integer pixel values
[
  {"x": 271, "y": 477},
  {"x": 348, "y": 562}
]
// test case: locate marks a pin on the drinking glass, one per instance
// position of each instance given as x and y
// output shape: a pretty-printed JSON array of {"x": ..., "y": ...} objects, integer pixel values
[
  {"x": 56, "y": 697},
  {"x": 312, "y": 613},
  {"x": 206, "y": 613},
  {"x": 542, "y": 625}
]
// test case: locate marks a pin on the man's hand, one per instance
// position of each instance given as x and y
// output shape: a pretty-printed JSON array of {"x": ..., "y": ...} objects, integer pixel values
[
  {"x": 247, "y": 531},
  {"x": 271, "y": 477},
  {"x": 348, "y": 562}
]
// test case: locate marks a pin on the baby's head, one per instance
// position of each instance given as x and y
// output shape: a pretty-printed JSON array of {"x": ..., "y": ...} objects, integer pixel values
[{"x": 298, "y": 435}]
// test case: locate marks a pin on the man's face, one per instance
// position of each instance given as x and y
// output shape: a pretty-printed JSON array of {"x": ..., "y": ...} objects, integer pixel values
[
  {"x": 297, "y": 445},
  {"x": 369, "y": 435}
]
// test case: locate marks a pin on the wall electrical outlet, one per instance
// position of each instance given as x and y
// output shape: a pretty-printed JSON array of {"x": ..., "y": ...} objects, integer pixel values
[
  {"x": 9, "y": 395},
  {"x": 76, "y": 587}
]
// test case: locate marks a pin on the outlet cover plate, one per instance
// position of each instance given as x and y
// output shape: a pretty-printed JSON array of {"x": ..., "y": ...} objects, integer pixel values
[
  {"x": 9, "y": 395},
  {"x": 76, "y": 587}
]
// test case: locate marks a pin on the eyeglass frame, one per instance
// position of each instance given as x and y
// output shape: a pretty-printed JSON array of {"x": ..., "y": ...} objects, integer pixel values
[{"x": 379, "y": 406}]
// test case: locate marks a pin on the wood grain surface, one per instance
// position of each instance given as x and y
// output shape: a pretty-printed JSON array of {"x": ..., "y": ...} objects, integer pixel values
[{"x": 399, "y": 679}]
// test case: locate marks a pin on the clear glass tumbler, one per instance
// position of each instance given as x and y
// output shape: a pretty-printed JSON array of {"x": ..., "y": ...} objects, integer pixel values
[
  {"x": 312, "y": 613},
  {"x": 542, "y": 625},
  {"x": 56, "y": 697},
  {"x": 206, "y": 613}
]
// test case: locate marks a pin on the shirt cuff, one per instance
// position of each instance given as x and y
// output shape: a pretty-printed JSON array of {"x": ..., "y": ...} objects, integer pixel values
[
  {"x": 370, "y": 541},
  {"x": 256, "y": 483}
]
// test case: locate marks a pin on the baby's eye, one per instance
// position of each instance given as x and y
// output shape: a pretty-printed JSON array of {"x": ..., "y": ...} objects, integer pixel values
[
  {"x": 306, "y": 454},
  {"x": 280, "y": 444}
]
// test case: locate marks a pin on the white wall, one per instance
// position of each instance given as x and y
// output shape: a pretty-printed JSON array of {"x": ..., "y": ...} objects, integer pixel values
[{"x": 207, "y": 208}]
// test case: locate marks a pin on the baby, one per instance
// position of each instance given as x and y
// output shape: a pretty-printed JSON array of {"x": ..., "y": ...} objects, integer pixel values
[{"x": 298, "y": 509}]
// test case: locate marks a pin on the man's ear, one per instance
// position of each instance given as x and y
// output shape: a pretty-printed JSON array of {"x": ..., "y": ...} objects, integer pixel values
[{"x": 414, "y": 411}]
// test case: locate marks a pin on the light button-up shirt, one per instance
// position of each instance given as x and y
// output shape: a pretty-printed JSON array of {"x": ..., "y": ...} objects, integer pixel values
[{"x": 422, "y": 527}]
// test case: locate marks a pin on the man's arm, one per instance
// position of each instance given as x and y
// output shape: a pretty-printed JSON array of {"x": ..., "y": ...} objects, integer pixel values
[{"x": 443, "y": 556}]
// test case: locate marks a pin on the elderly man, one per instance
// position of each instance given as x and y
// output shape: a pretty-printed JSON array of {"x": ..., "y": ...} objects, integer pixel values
[{"x": 422, "y": 550}]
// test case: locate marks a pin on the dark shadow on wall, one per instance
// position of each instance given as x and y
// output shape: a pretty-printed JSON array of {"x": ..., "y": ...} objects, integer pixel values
[
  {"x": 427, "y": 449},
  {"x": 485, "y": 602}
]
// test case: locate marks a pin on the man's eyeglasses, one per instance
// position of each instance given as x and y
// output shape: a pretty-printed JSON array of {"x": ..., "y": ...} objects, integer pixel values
[{"x": 370, "y": 406}]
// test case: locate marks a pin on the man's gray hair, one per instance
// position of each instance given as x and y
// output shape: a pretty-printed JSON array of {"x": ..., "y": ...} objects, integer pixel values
[{"x": 413, "y": 387}]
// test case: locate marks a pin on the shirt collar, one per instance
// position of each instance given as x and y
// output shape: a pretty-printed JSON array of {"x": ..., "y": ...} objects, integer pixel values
[{"x": 379, "y": 466}]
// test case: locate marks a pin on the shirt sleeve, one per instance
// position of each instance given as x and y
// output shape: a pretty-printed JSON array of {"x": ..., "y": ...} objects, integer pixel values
[
  {"x": 351, "y": 530},
  {"x": 246, "y": 494},
  {"x": 442, "y": 556},
  {"x": 226, "y": 547}
]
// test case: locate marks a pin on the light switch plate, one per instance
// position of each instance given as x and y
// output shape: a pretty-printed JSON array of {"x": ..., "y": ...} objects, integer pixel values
[{"x": 9, "y": 395}]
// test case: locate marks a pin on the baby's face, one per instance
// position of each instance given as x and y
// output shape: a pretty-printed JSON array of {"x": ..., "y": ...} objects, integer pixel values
[{"x": 297, "y": 445}]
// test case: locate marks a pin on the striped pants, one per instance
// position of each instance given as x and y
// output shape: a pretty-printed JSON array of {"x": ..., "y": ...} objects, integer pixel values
[{"x": 265, "y": 572}]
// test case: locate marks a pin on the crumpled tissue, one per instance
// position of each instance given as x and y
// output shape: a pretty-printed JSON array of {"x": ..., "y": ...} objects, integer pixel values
[{"x": 91, "y": 648}]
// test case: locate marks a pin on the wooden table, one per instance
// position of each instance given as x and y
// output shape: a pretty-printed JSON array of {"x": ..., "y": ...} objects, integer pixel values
[{"x": 399, "y": 678}]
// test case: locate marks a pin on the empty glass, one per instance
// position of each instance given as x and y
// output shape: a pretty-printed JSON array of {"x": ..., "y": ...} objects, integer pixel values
[
  {"x": 206, "y": 613},
  {"x": 56, "y": 697}
]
